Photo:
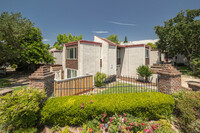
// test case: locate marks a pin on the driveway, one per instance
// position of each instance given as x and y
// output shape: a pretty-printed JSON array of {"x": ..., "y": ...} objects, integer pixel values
[{"x": 185, "y": 79}]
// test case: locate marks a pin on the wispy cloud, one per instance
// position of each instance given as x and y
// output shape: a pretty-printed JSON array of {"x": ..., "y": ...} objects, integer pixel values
[
  {"x": 45, "y": 40},
  {"x": 100, "y": 32},
  {"x": 119, "y": 23}
]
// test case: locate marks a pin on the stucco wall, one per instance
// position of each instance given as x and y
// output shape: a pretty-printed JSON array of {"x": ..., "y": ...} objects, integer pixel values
[
  {"x": 112, "y": 60},
  {"x": 89, "y": 59},
  {"x": 154, "y": 57},
  {"x": 180, "y": 59},
  {"x": 133, "y": 58},
  {"x": 104, "y": 54},
  {"x": 58, "y": 57}
]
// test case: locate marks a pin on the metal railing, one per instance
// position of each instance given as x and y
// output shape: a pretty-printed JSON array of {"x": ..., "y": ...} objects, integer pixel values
[{"x": 110, "y": 85}]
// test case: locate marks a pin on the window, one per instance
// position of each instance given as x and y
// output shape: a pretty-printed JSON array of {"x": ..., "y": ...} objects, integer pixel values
[
  {"x": 71, "y": 73},
  {"x": 146, "y": 53},
  {"x": 71, "y": 53}
]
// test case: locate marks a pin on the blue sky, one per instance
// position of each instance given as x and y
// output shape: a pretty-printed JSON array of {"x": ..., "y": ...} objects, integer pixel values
[{"x": 133, "y": 18}]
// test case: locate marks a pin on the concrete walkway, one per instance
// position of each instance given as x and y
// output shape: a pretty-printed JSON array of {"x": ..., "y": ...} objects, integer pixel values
[{"x": 185, "y": 79}]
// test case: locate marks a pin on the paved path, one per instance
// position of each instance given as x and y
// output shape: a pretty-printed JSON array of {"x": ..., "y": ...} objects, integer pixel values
[{"x": 185, "y": 79}]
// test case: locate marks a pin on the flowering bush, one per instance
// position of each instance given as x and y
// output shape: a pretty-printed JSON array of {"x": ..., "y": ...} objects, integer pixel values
[
  {"x": 75, "y": 110},
  {"x": 125, "y": 123}
]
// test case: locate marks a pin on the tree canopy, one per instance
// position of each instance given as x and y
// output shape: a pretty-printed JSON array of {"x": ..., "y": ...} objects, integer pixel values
[
  {"x": 65, "y": 39},
  {"x": 153, "y": 46},
  {"x": 125, "y": 39},
  {"x": 21, "y": 42},
  {"x": 181, "y": 35},
  {"x": 113, "y": 38}
]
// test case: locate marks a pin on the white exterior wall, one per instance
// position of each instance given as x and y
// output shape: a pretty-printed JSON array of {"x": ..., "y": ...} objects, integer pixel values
[
  {"x": 180, "y": 59},
  {"x": 154, "y": 57},
  {"x": 88, "y": 59},
  {"x": 108, "y": 56},
  {"x": 133, "y": 58},
  {"x": 64, "y": 62},
  {"x": 58, "y": 57},
  {"x": 112, "y": 60}
]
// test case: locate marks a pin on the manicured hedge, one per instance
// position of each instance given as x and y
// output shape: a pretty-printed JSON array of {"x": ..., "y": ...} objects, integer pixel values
[{"x": 70, "y": 110}]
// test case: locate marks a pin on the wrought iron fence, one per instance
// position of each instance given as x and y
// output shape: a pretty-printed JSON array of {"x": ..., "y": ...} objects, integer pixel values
[{"x": 110, "y": 85}]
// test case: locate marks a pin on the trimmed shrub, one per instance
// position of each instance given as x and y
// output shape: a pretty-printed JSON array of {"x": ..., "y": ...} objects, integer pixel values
[
  {"x": 19, "y": 110},
  {"x": 187, "y": 111},
  {"x": 75, "y": 110},
  {"x": 99, "y": 79},
  {"x": 144, "y": 71}
]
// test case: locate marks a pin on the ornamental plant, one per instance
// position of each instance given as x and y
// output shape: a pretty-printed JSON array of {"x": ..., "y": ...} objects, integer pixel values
[
  {"x": 126, "y": 123},
  {"x": 145, "y": 72},
  {"x": 99, "y": 79},
  {"x": 19, "y": 110},
  {"x": 76, "y": 110}
]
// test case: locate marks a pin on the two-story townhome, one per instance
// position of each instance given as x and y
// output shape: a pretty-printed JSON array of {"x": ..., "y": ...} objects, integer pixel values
[{"x": 102, "y": 55}]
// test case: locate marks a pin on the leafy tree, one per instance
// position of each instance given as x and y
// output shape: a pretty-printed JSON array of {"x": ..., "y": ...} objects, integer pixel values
[
  {"x": 181, "y": 35},
  {"x": 13, "y": 28},
  {"x": 125, "y": 39},
  {"x": 153, "y": 46},
  {"x": 65, "y": 39},
  {"x": 113, "y": 38},
  {"x": 34, "y": 51},
  {"x": 144, "y": 71},
  {"x": 21, "y": 43}
]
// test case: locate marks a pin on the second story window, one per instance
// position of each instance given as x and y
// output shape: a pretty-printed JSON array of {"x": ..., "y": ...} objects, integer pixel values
[
  {"x": 71, "y": 53},
  {"x": 146, "y": 53}
]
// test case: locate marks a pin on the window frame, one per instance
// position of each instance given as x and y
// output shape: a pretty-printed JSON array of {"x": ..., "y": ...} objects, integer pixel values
[
  {"x": 73, "y": 73},
  {"x": 146, "y": 53},
  {"x": 72, "y": 53}
]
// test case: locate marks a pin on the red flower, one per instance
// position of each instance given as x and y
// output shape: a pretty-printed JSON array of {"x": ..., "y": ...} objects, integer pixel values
[
  {"x": 104, "y": 115},
  {"x": 90, "y": 130},
  {"x": 142, "y": 124},
  {"x": 154, "y": 127},
  {"x": 124, "y": 119},
  {"x": 102, "y": 120},
  {"x": 147, "y": 131},
  {"x": 146, "y": 124},
  {"x": 111, "y": 118},
  {"x": 127, "y": 127},
  {"x": 82, "y": 105},
  {"x": 124, "y": 114},
  {"x": 131, "y": 123},
  {"x": 101, "y": 126},
  {"x": 119, "y": 115},
  {"x": 91, "y": 101}
]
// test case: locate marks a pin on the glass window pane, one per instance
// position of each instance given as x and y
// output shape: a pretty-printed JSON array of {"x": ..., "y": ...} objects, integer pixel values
[
  {"x": 74, "y": 53},
  {"x": 68, "y": 73},
  {"x": 71, "y": 53}
]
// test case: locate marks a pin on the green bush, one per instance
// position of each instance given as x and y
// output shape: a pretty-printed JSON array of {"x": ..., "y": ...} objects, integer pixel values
[
  {"x": 144, "y": 71},
  {"x": 187, "y": 106},
  {"x": 19, "y": 110},
  {"x": 99, "y": 79},
  {"x": 75, "y": 110}
]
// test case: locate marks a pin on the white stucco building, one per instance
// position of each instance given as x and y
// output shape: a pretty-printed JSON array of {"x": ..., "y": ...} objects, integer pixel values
[{"x": 102, "y": 55}]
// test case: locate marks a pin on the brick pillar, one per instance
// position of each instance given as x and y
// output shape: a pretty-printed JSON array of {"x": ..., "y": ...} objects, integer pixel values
[
  {"x": 169, "y": 79},
  {"x": 44, "y": 79}
]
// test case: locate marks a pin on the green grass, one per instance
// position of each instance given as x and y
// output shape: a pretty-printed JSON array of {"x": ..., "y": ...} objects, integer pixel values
[
  {"x": 4, "y": 83},
  {"x": 126, "y": 88},
  {"x": 18, "y": 88},
  {"x": 185, "y": 70}
]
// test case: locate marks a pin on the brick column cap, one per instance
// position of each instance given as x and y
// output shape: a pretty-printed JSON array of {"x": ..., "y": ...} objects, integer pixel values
[{"x": 168, "y": 69}]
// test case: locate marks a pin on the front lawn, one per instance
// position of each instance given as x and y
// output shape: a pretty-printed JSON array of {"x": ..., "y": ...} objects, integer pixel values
[
  {"x": 127, "y": 88},
  {"x": 4, "y": 83}
]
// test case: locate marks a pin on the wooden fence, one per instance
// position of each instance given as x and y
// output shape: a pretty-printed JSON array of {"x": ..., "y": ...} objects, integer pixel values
[{"x": 73, "y": 86}]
